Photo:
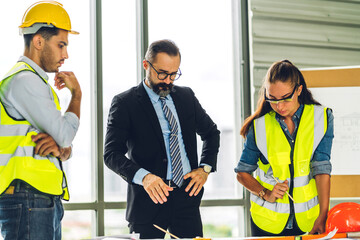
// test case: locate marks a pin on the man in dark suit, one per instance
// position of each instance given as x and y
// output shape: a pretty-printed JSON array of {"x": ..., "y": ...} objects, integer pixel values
[{"x": 155, "y": 124}]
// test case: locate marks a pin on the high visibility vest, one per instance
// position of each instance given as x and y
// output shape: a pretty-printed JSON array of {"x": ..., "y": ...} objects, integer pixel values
[
  {"x": 17, "y": 158},
  {"x": 274, "y": 146}
]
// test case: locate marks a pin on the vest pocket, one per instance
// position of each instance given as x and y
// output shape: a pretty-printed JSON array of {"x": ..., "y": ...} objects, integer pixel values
[
  {"x": 303, "y": 167},
  {"x": 280, "y": 162}
]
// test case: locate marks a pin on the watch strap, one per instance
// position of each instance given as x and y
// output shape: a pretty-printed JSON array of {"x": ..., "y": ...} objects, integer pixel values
[{"x": 262, "y": 193}]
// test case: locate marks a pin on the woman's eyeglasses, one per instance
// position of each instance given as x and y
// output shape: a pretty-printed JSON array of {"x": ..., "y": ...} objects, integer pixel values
[{"x": 277, "y": 101}]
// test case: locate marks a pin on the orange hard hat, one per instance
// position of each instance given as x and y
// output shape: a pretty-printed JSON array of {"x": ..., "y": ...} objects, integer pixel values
[{"x": 345, "y": 217}]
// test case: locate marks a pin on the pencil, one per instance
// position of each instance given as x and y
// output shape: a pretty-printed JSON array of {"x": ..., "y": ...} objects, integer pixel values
[
  {"x": 286, "y": 191},
  {"x": 165, "y": 231}
]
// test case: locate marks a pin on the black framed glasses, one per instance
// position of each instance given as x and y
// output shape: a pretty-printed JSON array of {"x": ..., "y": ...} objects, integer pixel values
[
  {"x": 163, "y": 75},
  {"x": 285, "y": 99}
]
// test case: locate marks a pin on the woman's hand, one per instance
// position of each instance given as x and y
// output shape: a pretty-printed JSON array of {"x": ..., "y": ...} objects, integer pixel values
[{"x": 278, "y": 191}]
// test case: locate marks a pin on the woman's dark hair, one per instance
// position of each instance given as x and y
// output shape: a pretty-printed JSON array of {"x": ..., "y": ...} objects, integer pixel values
[
  {"x": 45, "y": 32},
  {"x": 166, "y": 46},
  {"x": 283, "y": 71}
]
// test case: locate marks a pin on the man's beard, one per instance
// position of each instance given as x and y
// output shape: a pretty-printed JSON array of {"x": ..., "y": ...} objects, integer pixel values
[
  {"x": 46, "y": 60},
  {"x": 161, "y": 89}
]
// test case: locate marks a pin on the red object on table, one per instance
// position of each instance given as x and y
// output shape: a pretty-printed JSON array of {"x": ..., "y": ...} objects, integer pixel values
[{"x": 345, "y": 217}]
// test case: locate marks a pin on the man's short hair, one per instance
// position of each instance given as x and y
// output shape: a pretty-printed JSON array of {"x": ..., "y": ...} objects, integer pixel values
[
  {"x": 165, "y": 46},
  {"x": 45, "y": 32}
]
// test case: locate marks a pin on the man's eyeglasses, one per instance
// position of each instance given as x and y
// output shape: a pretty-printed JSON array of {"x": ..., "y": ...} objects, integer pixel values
[
  {"x": 163, "y": 75},
  {"x": 277, "y": 101}
]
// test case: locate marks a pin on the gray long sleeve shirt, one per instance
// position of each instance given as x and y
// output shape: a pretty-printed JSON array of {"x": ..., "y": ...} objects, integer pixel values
[{"x": 27, "y": 96}]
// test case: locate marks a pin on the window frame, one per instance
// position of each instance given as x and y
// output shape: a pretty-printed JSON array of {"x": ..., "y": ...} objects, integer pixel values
[{"x": 242, "y": 104}]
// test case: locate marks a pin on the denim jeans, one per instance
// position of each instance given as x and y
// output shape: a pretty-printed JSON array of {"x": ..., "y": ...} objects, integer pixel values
[{"x": 27, "y": 214}]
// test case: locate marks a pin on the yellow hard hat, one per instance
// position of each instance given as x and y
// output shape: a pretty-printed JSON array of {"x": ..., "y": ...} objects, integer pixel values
[{"x": 46, "y": 13}]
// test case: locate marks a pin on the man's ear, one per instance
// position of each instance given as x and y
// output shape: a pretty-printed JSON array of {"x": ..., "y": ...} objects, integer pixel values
[
  {"x": 38, "y": 41},
  {"x": 145, "y": 64}
]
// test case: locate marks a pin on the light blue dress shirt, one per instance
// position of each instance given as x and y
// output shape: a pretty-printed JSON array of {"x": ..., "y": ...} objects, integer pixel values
[
  {"x": 165, "y": 128},
  {"x": 26, "y": 96}
]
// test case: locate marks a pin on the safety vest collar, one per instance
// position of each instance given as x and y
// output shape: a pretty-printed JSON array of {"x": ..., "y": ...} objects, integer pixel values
[
  {"x": 317, "y": 118},
  {"x": 320, "y": 121},
  {"x": 30, "y": 65},
  {"x": 19, "y": 66},
  {"x": 23, "y": 66}
]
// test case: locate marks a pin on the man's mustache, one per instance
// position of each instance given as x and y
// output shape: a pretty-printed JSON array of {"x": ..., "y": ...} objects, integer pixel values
[{"x": 165, "y": 86}]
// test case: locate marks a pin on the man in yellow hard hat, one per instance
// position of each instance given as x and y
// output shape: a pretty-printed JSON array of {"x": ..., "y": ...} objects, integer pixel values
[{"x": 35, "y": 137}]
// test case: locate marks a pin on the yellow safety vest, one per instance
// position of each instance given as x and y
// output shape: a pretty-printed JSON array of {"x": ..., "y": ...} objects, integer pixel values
[
  {"x": 274, "y": 146},
  {"x": 17, "y": 159}
]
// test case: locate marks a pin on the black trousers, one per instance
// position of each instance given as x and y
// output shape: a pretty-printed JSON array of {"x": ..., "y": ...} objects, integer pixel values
[
  {"x": 257, "y": 232},
  {"x": 180, "y": 215}
]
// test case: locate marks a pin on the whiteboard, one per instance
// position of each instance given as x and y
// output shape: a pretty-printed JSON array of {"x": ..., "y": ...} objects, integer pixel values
[{"x": 345, "y": 103}]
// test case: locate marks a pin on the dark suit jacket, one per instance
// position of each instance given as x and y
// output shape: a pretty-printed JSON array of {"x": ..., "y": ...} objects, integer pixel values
[{"x": 133, "y": 128}]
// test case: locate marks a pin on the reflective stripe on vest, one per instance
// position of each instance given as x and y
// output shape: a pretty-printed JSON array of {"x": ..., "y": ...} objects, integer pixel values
[
  {"x": 17, "y": 159},
  {"x": 274, "y": 146}
]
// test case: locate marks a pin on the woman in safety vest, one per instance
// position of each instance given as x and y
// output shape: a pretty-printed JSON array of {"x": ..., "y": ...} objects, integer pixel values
[{"x": 288, "y": 143}]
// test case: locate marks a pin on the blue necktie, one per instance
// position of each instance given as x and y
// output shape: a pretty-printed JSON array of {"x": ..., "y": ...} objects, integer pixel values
[{"x": 177, "y": 171}]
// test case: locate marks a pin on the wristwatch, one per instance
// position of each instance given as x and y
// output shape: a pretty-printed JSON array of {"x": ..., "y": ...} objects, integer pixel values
[
  {"x": 206, "y": 168},
  {"x": 262, "y": 194}
]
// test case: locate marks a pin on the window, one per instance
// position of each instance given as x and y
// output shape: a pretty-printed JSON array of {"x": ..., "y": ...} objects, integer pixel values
[
  {"x": 115, "y": 223},
  {"x": 205, "y": 41},
  {"x": 206, "y": 51},
  {"x": 119, "y": 71},
  {"x": 222, "y": 221},
  {"x": 77, "y": 225}
]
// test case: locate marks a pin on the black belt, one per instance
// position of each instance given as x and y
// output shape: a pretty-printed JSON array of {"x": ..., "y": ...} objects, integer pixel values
[
  {"x": 17, "y": 186},
  {"x": 170, "y": 183}
]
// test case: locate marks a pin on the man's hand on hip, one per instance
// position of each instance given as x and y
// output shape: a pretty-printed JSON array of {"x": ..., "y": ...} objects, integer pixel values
[
  {"x": 156, "y": 188},
  {"x": 198, "y": 179}
]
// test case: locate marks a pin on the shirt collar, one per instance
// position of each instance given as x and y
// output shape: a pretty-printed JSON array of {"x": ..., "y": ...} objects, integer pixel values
[
  {"x": 297, "y": 114},
  {"x": 299, "y": 111},
  {"x": 36, "y": 67},
  {"x": 153, "y": 96}
]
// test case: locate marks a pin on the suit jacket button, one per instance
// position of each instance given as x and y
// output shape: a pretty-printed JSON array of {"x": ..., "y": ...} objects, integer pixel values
[{"x": 165, "y": 160}]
